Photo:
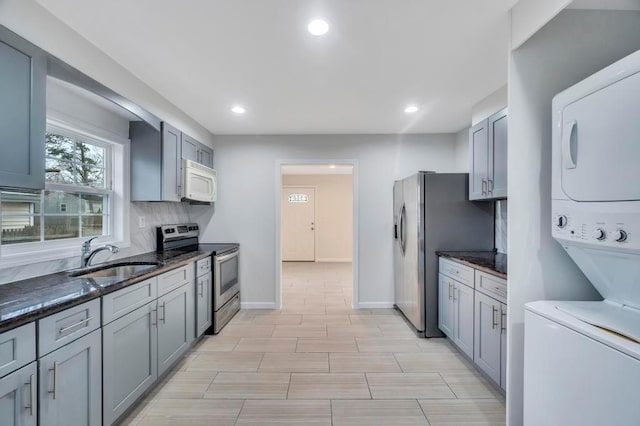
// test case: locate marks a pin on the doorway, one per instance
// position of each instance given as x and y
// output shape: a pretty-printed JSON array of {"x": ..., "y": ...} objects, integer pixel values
[{"x": 316, "y": 235}]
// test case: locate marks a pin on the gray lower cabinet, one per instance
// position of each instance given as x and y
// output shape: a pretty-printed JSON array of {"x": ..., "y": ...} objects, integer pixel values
[
  {"x": 175, "y": 325},
  {"x": 23, "y": 73},
  {"x": 503, "y": 346},
  {"x": 463, "y": 318},
  {"x": 204, "y": 301},
  {"x": 487, "y": 351},
  {"x": 445, "y": 305},
  {"x": 70, "y": 383},
  {"x": 19, "y": 397},
  {"x": 129, "y": 360}
]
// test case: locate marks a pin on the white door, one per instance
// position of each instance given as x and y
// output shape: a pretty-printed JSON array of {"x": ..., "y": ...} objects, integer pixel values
[{"x": 298, "y": 224}]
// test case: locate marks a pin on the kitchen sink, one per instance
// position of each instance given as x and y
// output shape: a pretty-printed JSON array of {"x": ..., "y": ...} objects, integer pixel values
[{"x": 118, "y": 270}]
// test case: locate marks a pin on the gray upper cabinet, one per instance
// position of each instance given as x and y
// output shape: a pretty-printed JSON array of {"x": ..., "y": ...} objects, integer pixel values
[
  {"x": 155, "y": 162},
  {"x": 129, "y": 360},
  {"x": 23, "y": 73},
  {"x": 175, "y": 325},
  {"x": 488, "y": 158},
  {"x": 478, "y": 152},
  {"x": 196, "y": 151},
  {"x": 19, "y": 397},
  {"x": 70, "y": 383}
]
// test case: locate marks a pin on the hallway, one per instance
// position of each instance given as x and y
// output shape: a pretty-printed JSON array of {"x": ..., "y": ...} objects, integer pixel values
[{"x": 318, "y": 361}]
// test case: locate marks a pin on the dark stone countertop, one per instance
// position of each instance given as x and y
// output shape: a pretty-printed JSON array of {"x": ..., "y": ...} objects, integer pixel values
[
  {"x": 34, "y": 298},
  {"x": 487, "y": 261}
]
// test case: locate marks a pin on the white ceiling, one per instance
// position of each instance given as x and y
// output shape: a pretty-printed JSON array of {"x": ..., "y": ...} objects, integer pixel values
[
  {"x": 379, "y": 56},
  {"x": 316, "y": 169}
]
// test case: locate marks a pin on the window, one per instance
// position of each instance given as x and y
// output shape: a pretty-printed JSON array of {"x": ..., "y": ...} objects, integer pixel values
[
  {"x": 76, "y": 200},
  {"x": 298, "y": 198}
]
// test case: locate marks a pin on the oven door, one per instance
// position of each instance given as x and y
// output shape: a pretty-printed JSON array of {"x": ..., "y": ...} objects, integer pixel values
[{"x": 226, "y": 283}]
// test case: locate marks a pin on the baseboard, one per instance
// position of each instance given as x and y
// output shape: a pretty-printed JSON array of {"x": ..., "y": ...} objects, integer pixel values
[
  {"x": 258, "y": 305},
  {"x": 334, "y": 259},
  {"x": 375, "y": 305}
]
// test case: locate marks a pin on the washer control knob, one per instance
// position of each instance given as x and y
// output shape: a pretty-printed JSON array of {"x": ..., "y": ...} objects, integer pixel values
[
  {"x": 599, "y": 234},
  {"x": 620, "y": 235},
  {"x": 561, "y": 221}
]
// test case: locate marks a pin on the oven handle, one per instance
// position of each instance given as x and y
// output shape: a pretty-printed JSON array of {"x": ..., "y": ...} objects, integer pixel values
[{"x": 224, "y": 258}]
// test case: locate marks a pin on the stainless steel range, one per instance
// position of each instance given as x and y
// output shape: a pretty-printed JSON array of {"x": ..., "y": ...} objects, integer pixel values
[{"x": 176, "y": 240}]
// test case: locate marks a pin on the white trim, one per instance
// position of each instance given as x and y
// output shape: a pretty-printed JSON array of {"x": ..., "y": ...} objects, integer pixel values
[
  {"x": 258, "y": 305},
  {"x": 375, "y": 305},
  {"x": 333, "y": 259},
  {"x": 315, "y": 218},
  {"x": 278, "y": 197}
]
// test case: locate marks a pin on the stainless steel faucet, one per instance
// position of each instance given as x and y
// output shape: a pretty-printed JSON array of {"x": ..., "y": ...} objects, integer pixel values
[{"x": 87, "y": 253}]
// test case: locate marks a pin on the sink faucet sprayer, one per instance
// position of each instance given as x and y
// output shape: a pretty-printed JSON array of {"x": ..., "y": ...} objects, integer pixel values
[{"x": 87, "y": 253}]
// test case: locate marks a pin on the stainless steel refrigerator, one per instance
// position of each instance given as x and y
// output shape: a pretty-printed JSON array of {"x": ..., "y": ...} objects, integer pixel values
[{"x": 432, "y": 212}]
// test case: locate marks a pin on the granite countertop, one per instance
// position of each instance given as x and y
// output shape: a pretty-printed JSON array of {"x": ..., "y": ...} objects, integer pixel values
[
  {"x": 34, "y": 298},
  {"x": 487, "y": 261}
]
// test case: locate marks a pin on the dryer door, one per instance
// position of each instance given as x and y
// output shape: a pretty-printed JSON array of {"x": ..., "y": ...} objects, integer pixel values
[{"x": 600, "y": 146}]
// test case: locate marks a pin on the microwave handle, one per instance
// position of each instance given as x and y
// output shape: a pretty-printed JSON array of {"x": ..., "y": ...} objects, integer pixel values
[{"x": 569, "y": 144}]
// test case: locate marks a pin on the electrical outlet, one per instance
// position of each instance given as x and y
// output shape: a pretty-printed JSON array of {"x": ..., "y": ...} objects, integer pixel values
[{"x": 142, "y": 221}]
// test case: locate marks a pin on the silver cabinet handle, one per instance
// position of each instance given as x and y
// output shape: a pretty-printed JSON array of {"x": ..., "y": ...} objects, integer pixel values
[
  {"x": 154, "y": 317},
  {"x": 484, "y": 186},
  {"x": 503, "y": 320},
  {"x": 450, "y": 286},
  {"x": 79, "y": 323},
  {"x": 55, "y": 379},
  {"x": 495, "y": 321},
  {"x": 32, "y": 393},
  {"x": 163, "y": 313},
  {"x": 454, "y": 293},
  {"x": 489, "y": 185},
  {"x": 201, "y": 292}
]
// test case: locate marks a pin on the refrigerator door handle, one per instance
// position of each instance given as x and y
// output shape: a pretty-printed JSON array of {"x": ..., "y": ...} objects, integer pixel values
[{"x": 403, "y": 229}]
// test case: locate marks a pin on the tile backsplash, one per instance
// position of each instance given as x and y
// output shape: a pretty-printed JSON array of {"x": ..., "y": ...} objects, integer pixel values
[
  {"x": 142, "y": 240},
  {"x": 501, "y": 226}
]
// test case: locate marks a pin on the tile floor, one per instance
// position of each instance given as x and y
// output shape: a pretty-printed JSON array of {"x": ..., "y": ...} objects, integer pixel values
[{"x": 320, "y": 362}]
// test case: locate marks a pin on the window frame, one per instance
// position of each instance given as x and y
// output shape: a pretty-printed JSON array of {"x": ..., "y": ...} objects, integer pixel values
[{"x": 116, "y": 187}]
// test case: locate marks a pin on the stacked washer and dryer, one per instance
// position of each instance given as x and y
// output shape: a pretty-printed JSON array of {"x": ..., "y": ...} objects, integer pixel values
[{"x": 582, "y": 359}]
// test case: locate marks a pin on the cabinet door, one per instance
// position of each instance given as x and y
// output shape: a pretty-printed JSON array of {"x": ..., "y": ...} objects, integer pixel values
[
  {"x": 487, "y": 331},
  {"x": 23, "y": 73},
  {"x": 189, "y": 148},
  {"x": 206, "y": 156},
  {"x": 19, "y": 397},
  {"x": 503, "y": 346},
  {"x": 129, "y": 360},
  {"x": 171, "y": 168},
  {"x": 445, "y": 305},
  {"x": 497, "y": 177},
  {"x": 478, "y": 167},
  {"x": 175, "y": 325},
  {"x": 463, "y": 318},
  {"x": 70, "y": 383},
  {"x": 204, "y": 314}
]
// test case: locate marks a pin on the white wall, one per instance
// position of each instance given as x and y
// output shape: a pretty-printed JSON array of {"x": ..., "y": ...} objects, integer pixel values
[
  {"x": 334, "y": 210},
  {"x": 462, "y": 151},
  {"x": 493, "y": 103},
  {"x": 245, "y": 211},
  {"x": 568, "y": 49},
  {"x": 34, "y": 23},
  {"x": 528, "y": 16}
]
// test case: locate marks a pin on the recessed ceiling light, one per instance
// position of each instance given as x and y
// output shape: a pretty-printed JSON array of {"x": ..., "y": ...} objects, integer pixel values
[
  {"x": 333, "y": 166},
  {"x": 411, "y": 109},
  {"x": 238, "y": 109},
  {"x": 318, "y": 27}
]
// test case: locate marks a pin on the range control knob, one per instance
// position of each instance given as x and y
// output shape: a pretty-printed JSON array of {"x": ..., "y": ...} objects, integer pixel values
[
  {"x": 620, "y": 235},
  {"x": 599, "y": 234},
  {"x": 561, "y": 221}
]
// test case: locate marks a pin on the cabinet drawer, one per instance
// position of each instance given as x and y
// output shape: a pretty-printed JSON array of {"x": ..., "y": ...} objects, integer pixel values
[
  {"x": 458, "y": 272},
  {"x": 128, "y": 299},
  {"x": 203, "y": 266},
  {"x": 173, "y": 279},
  {"x": 17, "y": 348},
  {"x": 491, "y": 286},
  {"x": 59, "y": 329}
]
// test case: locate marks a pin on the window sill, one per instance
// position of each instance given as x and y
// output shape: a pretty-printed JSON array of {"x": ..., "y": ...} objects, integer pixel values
[{"x": 58, "y": 250}]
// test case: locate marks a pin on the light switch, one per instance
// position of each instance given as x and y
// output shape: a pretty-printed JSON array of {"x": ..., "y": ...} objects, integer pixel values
[{"x": 142, "y": 221}]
